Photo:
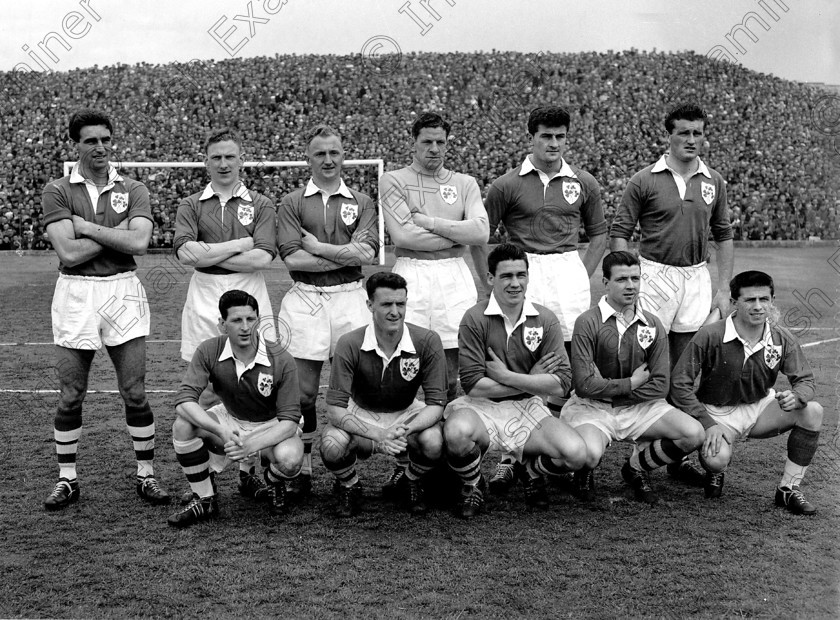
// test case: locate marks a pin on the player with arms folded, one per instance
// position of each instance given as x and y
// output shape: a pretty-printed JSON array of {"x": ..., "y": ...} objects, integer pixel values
[
  {"x": 226, "y": 233},
  {"x": 620, "y": 375},
  {"x": 542, "y": 203},
  {"x": 98, "y": 222},
  {"x": 512, "y": 358},
  {"x": 738, "y": 360},
  {"x": 372, "y": 401},
  {"x": 256, "y": 381},
  {"x": 325, "y": 233}
]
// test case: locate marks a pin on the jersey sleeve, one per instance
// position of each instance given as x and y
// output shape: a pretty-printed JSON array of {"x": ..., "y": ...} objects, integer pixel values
[
  {"x": 265, "y": 231},
  {"x": 586, "y": 378},
  {"x": 186, "y": 224},
  {"x": 196, "y": 378},
  {"x": 495, "y": 205},
  {"x": 628, "y": 210},
  {"x": 397, "y": 214},
  {"x": 368, "y": 229},
  {"x": 719, "y": 223},
  {"x": 683, "y": 377},
  {"x": 342, "y": 371},
  {"x": 553, "y": 341},
  {"x": 471, "y": 353},
  {"x": 798, "y": 371},
  {"x": 288, "y": 226},
  {"x": 139, "y": 204},
  {"x": 591, "y": 211},
  {"x": 55, "y": 205},
  {"x": 473, "y": 229},
  {"x": 287, "y": 399},
  {"x": 433, "y": 367}
]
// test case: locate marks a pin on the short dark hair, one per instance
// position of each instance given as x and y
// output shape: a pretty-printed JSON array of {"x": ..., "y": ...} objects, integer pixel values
[
  {"x": 618, "y": 258},
  {"x": 235, "y": 297},
  {"x": 502, "y": 252},
  {"x": 224, "y": 134},
  {"x": 87, "y": 118},
  {"x": 384, "y": 279},
  {"x": 750, "y": 278},
  {"x": 549, "y": 116},
  {"x": 430, "y": 120},
  {"x": 322, "y": 129},
  {"x": 686, "y": 112}
]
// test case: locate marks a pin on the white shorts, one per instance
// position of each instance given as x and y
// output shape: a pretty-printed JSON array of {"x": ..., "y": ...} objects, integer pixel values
[
  {"x": 313, "y": 318},
  {"x": 218, "y": 462},
  {"x": 740, "y": 418},
  {"x": 560, "y": 283},
  {"x": 509, "y": 423},
  {"x": 89, "y": 311},
  {"x": 680, "y": 296},
  {"x": 439, "y": 294},
  {"x": 618, "y": 423},
  {"x": 200, "y": 318}
]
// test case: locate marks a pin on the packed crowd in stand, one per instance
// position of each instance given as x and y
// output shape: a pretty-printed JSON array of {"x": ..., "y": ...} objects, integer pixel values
[{"x": 782, "y": 173}]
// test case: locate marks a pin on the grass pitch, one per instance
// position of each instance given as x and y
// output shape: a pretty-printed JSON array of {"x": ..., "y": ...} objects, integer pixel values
[{"x": 110, "y": 555}]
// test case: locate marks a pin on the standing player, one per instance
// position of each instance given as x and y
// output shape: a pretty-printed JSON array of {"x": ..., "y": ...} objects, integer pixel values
[
  {"x": 325, "y": 233},
  {"x": 512, "y": 356},
  {"x": 259, "y": 413},
  {"x": 226, "y": 232},
  {"x": 620, "y": 374},
  {"x": 738, "y": 360},
  {"x": 372, "y": 404},
  {"x": 97, "y": 222},
  {"x": 542, "y": 203},
  {"x": 676, "y": 202},
  {"x": 432, "y": 214}
]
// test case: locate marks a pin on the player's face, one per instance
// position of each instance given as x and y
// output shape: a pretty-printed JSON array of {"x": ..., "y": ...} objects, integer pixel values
[
  {"x": 325, "y": 157},
  {"x": 623, "y": 285},
  {"x": 686, "y": 139},
  {"x": 240, "y": 325},
  {"x": 753, "y": 305},
  {"x": 223, "y": 162},
  {"x": 547, "y": 146},
  {"x": 94, "y": 149},
  {"x": 510, "y": 282},
  {"x": 388, "y": 309},
  {"x": 430, "y": 147}
]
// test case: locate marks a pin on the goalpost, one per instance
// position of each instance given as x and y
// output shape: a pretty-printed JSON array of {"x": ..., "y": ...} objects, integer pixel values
[{"x": 379, "y": 163}]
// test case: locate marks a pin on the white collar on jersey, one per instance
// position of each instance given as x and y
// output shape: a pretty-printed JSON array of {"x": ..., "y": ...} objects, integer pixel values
[
  {"x": 312, "y": 189},
  {"x": 565, "y": 169},
  {"x": 661, "y": 166},
  {"x": 260, "y": 358},
  {"x": 730, "y": 333},
  {"x": 241, "y": 192},
  {"x": 494, "y": 309},
  {"x": 76, "y": 175},
  {"x": 607, "y": 311},
  {"x": 370, "y": 344}
]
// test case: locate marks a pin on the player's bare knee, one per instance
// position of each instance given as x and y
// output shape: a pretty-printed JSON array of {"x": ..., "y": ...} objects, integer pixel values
[
  {"x": 457, "y": 433},
  {"x": 430, "y": 442},
  {"x": 307, "y": 400},
  {"x": 576, "y": 454},
  {"x": 594, "y": 454},
  {"x": 288, "y": 455},
  {"x": 692, "y": 438},
  {"x": 811, "y": 416},
  {"x": 133, "y": 392},
  {"x": 334, "y": 443},
  {"x": 719, "y": 461},
  {"x": 182, "y": 429}
]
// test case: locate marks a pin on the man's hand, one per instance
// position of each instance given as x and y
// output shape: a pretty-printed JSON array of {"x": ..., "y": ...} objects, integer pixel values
[
  {"x": 787, "y": 400},
  {"x": 310, "y": 243},
  {"x": 721, "y": 302},
  {"x": 639, "y": 376},
  {"x": 423, "y": 221},
  {"x": 715, "y": 436},
  {"x": 546, "y": 365},
  {"x": 235, "y": 447},
  {"x": 495, "y": 368},
  {"x": 393, "y": 440}
]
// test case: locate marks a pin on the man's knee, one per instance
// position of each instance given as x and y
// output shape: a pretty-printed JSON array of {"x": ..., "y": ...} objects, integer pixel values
[
  {"x": 133, "y": 391},
  {"x": 457, "y": 433},
  {"x": 334, "y": 443},
  {"x": 182, "y": 429},
  {"x": 430, "y": 442},
  {"x": 719, "y": 461},
  {"x": 594, "y": 454},
  {"x": 288, "y": 455},
  {"x": 811, "y": 416},
  {"x": 693, "y": 436}
]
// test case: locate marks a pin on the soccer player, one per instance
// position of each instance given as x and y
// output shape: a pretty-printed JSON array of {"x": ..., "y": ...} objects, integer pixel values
[
  {"x": 325, "y": 233},
  {"x": 542, "y": 203},
  {"x": 98, "y": 222},
  {"x": 372, "y": 401},
  {"x": 512, "y": 357},
  {"x": 432, "y": 214},
  {"x": 257, "y": 383},
  {"x": 677, "y": 202},
  {"x": 738, "y": 360},
  {"x": 620, "y": 374},
  {"x": 226, "y": 233}
]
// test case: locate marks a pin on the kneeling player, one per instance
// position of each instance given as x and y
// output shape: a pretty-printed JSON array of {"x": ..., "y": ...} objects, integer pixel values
[
  {"x": 376, "y": 373},
  {"x": 738, "y": 360},
  {"x": 620, "y": 376},
  {"x": 511, "y": 358},
  {"x": 257, "y": 383}
]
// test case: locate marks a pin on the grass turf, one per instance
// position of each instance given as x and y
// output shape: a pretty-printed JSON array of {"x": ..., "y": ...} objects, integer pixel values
[{"x": 110, "y": 555}]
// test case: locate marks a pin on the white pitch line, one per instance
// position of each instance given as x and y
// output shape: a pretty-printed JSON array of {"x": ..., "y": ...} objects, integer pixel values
[
  {"x": 813, "y": 344},
  {"x": 101, "y": 391},
  {"x": 38, "y": 344}
]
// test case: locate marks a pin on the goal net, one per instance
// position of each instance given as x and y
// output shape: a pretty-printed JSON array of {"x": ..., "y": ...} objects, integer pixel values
[{"x": 169, "y": 182}]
